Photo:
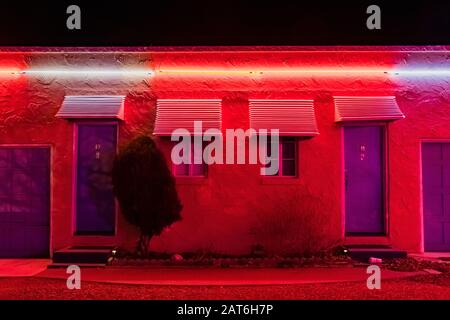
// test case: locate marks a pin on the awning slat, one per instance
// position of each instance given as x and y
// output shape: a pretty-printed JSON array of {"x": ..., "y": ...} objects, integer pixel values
[
  {"x": 351, "y": 108},
  {"x": 172, "y": 114},
  {"x": 92, "y": 107},
  {"x": 290, "y": 117}
]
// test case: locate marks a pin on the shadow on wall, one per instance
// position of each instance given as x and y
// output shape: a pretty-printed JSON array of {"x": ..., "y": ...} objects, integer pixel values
[{"x": 294, "y": 224}]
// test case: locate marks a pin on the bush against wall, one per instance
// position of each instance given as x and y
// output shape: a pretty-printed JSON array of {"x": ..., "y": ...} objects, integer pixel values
[
  {"x": 145, "y": 189},
  {"x": 293, "y": 224}
]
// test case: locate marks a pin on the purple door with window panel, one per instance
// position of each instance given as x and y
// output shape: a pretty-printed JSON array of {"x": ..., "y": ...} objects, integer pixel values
[
  {"x": 436, "y": 196},
  {"x": 24, "y": 202},
  {"x": 95, "y": 202},
  {"x": 364, "y": 167}
]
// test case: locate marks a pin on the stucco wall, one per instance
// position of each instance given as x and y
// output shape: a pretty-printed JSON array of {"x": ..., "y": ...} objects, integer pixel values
[{"x": 234, "y": 208}]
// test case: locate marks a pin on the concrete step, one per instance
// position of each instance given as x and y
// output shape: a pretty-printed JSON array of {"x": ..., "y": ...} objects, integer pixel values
[
  {"x": 364, "y": 253},
  {"x": 83, "y": 255},
  {"x": 81, "y": 265}
]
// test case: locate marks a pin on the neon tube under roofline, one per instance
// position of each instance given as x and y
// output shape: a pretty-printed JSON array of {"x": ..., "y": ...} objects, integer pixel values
[
  {"x": 307, "y": 72},
  {"x": 88, "y": 72},
  {"x": 271, "y": 72},
  {"x": 444, "y": 72},
  {"x": 419, "y": 72},
  {"x": 9, "y": 72}
]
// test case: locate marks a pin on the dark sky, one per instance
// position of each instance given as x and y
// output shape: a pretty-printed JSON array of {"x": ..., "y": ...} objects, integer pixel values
[{"x": 215, "y": 22}]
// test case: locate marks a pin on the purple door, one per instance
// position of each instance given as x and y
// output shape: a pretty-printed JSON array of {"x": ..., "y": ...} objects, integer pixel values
[
  {"x": 364, "y": 167},
  {"x": 24, "y": 202},
  {"x": 95, "y": 206},
  {"x": 436, "y": 196}
]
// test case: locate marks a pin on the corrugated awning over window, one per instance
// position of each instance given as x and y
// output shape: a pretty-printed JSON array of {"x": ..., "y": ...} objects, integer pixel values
[
  {"x": 172, "y": 114},
  {"x": 350, "y": 108},
  {"x": 290, "y": 117},
  {"x": 92, "y": 107}
]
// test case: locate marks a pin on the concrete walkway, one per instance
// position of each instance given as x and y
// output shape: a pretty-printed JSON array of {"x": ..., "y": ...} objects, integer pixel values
[
  {"x": 22, "y": 267},
  {"x": 442, "y": 257},
  {"x": 223, "y": 277}
]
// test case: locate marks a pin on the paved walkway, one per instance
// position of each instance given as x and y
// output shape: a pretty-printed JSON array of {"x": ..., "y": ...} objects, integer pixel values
[
  {"x": 223, "y": 277},
  {"x": 443, "y": 257},
  {"x": 22, "y": 267}
]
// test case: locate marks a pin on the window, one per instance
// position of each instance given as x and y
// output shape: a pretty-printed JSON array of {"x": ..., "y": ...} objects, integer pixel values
[
  {"x": 191, "y": 169},
  {"x": 287, "y": 164}
]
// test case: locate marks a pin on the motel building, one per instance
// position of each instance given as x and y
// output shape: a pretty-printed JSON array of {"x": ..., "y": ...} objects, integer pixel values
[{"x": 364, "y": 153}]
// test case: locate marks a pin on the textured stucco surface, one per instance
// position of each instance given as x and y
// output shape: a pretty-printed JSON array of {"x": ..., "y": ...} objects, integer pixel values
[{"x": 234, "y": 208}]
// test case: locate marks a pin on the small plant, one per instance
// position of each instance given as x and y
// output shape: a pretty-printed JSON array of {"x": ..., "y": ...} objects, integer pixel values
[
  {"x": 145, "y": 189},
  {"x": 293, "y": 224},
  {"x": 258, "y": 250}
]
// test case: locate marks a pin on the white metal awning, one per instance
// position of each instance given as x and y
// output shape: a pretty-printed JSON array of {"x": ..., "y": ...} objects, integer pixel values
[
  {"x": 290, "y": 117},
  {"x": 92, "y": 107},
  {"x": 172, "y": 114},
  {"x": 350, "y": 108}
]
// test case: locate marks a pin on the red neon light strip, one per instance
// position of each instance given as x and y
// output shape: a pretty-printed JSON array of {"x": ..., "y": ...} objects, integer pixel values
[
  {"x": 5, "y": 72},
  {"x": 273, "y": 72},
  {"x": 298, "y": 72}
]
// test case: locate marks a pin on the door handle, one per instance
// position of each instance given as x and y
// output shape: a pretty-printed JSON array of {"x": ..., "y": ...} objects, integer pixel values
[
  {"x": 362, "y": 152},
  {"x": 97, "y": 151}
]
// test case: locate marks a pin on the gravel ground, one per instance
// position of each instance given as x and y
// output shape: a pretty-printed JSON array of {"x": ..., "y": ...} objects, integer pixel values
[{"x": 418, "y": 287}]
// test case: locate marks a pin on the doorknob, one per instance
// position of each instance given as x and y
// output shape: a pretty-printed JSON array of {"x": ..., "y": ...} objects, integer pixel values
[
  {"x": 362, "y": 151},
  {"x": 97, "y": 151}
]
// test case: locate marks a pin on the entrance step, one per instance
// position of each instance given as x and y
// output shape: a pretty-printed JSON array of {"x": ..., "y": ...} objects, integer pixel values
[
  {"x": 81, "y": 265},
  {"x": 98, "y": 256},
  {"x": 365, "y": 252}
]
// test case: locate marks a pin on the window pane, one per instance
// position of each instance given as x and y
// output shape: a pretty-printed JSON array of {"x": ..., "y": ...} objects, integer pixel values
[
  {"x": 269, "y": 155},
  {"x": 267, "y": 167},
  {"x": 197, "y": 153},
  {"x": 288, "y": 150},
  {"x": 198, "y": 170},
  {"x": 268, "y": 147},
  {"x": 181, "y": 169},
  {"x": 289, "y": 167},
  {"x": 189, "y": 155},
  {"x": 192, "y": 169}
]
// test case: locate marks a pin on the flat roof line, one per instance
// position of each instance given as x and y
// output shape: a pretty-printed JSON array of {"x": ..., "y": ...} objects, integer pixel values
[{"x": 236, "y": 49}]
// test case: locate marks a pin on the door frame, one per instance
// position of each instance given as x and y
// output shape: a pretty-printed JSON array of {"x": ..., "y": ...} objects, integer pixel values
[
  {"x": 422, "y": 141},
  {"x": 75, "y": 176},
  {"x": 50, "y": 207},
  {"x": 385, "y": 177}
]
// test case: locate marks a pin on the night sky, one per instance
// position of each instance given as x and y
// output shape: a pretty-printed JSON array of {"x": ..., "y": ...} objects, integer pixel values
[{"x": 226, "y": 23}]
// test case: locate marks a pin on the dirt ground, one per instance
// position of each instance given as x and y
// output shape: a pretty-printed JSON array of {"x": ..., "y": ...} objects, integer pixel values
[{"x": 416, "y": 287}]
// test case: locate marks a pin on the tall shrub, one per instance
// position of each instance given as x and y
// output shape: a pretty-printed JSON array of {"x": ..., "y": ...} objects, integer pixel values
[{"x": 145, "y": 189}]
